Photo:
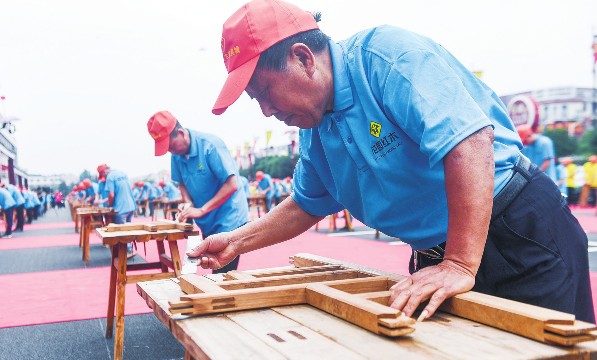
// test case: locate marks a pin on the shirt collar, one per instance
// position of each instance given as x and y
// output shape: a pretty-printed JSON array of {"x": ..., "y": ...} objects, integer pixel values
[
  {"x": 342, "y": 89},
  {"x": 193, "y": 151}
]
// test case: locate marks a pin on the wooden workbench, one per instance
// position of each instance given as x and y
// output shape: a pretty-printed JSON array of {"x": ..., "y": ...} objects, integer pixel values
[{"x": 303, "y": 332}]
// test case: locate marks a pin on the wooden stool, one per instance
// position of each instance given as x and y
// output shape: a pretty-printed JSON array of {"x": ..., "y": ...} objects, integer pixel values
[
  {"x": 332, "y": 218},
  {"x": 118, "y": 236}
]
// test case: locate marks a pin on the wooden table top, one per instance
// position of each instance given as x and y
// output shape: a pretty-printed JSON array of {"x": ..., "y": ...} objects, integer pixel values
[{"x": 303, "y": 332}]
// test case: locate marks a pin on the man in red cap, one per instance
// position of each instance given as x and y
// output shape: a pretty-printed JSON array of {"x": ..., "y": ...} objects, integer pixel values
[
  {"x": 120, "y": 197},
  {"x": 207, "y": 177},
  {"x": 396, "y": 130},
  {"x": 539, "y": 149}
]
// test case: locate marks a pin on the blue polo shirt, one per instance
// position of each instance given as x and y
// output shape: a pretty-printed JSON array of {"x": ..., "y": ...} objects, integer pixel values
[
  {"x": 6, "y": 200},
  {"x": 118, "y": 183},
  {"x": 539, "y": 151},
  {"x": 265, "y": 183},
  {"x": 203, "y": 172},
  {"x": 92, "y": 190},
  {"x": 16, "y": 194},
  {"x": 171, "y": 191},
  {"x": 102, "y": 192},
  {"x": 401, "y": 103}
]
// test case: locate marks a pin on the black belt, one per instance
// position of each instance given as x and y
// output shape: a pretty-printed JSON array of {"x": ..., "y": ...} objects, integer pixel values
[{"x": 521, "y": 177}]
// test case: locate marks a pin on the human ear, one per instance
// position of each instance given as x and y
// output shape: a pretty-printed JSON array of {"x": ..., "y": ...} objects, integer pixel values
[{"x": 304, "y": 56}]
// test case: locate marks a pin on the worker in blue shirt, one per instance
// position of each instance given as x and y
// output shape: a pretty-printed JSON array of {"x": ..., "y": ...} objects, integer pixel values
[
  {"x": 207, "y": 177},
  {"x": 400, "y": 133},
  {"x": 7, "y": 204},
  {"x": 539, "y": 149},
  {"x": 19, "y": 207},
  {"x": 120, "y": 197},
  {"x": 265, "y": 185},
  {"x": 101, "y": 198}
]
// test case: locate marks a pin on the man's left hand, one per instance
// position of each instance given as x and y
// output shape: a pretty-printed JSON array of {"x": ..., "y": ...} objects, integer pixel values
[
  {"x": 436, "y": 283},
  {"x": 191, "y": 213}
]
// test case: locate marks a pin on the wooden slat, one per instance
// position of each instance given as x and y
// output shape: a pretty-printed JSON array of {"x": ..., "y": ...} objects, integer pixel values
[
  {"x": 195, "y": 284},
  {"x": 293, "y": 271},
  {"x": 235, "y": 300},
  {"x": 579, "y": 327},
  {"x": 238, "y": 275},
  {"x": 291, "y": 279}
]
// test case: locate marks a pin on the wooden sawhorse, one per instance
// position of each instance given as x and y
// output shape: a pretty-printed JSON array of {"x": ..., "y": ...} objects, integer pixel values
[{"x": 118, "y": 236}]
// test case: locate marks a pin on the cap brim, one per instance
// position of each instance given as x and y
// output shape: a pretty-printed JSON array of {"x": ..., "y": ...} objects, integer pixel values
[
  {"x": 234, "y": 86},
  {"x": 162, "y": 145}
]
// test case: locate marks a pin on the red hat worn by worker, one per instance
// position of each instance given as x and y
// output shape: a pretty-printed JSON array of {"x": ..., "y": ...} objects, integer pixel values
[
  {"x": 251, "y": 30},
  {"x": 160, "y": 125},
  {"x": 101, "y": 168},
  {"x": 87, "y": 183},
  {"x": 524, "y": 131}
]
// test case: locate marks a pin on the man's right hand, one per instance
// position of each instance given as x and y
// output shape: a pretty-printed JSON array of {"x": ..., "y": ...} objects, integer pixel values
[{"x": 215, "y": 251}]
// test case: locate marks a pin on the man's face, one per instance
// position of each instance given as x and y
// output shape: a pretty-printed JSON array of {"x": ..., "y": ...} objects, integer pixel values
[
  {"x": 178, "y": 144},
  {"x": 289, "y": 95}
]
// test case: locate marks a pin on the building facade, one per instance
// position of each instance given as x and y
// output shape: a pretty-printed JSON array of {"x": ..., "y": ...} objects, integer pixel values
[{"x": 569, "y": 108}]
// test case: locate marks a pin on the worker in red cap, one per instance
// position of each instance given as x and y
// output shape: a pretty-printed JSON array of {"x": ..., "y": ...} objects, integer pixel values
[
  {"x": 120, "y": 197},
  {"x": 397, "y": 131},
  {"x": 265, "y": 185},
  {"x": 539, "y": 149},
  {"x": 207, "y": 177}
]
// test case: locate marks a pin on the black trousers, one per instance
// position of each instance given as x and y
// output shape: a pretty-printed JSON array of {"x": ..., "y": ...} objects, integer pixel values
[
  {"x": 536, "y": 253},
  {"x": 9, "y": 213},
  {"x": 20, "y": 209}
]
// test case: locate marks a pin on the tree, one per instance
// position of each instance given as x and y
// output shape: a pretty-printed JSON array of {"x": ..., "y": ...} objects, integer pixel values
[
  {"x": 276, "y": 166},
  {"x": 588, "y": 144},
  {"x": 564, "y": 145}
]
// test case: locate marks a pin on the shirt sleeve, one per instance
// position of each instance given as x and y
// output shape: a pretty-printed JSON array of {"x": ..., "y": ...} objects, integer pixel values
[
  {"x": 310, "y": 193},
  {"x": 109, "y": 184},
  {"x": 428, "y": 100},
  {"x": 175, "y": 171},
  {"x": 220, "y": 161}
]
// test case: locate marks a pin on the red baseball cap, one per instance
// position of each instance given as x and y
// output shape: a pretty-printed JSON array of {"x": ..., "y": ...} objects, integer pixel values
[
  {"x": 160, "y": 125},
  {"x": 101, "y": 168},
  {"x": 251, "y": 30}
]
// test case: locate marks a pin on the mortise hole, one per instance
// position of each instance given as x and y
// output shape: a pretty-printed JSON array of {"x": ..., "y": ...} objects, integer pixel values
[
  {"x": 294, "y": 333},
  {"x": 276, "y": 337}
]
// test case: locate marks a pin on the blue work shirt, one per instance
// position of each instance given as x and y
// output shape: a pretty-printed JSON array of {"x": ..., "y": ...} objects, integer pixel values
[
  {"x": 92, "y": 190},
  {"x": 159, "y": 191},
  {"x": 203, "y": 172},
  {"x": 102, "y": 192},
  {"x": 540, "y": 150},
  {"x": 6, "y": 200},
  {"x": 152, "y": 192},
  {"x": 171, "y": 191},
  {"x": 265, "y": 183},
  {"x": 16, "y": 194},
  {"x": 118, "y": 183},
  {"x": 401, "y": 103}
]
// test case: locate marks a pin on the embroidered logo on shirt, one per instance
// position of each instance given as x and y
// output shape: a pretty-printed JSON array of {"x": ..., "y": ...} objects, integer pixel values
[
  {"x": 375, "y": 129},
  {"x": 385, "y": 145},
  {"x": 200, "y": 166}
]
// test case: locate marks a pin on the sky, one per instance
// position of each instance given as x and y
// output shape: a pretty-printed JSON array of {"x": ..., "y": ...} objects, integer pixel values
[{"x": 83, "y": 77}]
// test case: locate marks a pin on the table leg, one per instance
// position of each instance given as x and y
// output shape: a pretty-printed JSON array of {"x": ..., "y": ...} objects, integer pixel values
[
  {"x": 112, "y": 294},
  {"x": 86, "y": 240},
  {"x": 173, "y": 245},
  {"x": 161, "y": 251},
  {"x": 80, "y": 238},
  {"x": 120, "y": 293},
  {"x": 76, "y": 222}
]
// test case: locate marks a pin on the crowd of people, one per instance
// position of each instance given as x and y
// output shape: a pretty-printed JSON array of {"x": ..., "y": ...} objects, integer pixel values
[{"x": 20, "y": 206}]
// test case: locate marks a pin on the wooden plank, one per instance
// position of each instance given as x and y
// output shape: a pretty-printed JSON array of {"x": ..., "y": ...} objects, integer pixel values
[
  {"x": 289, "y": 338},
  {"x": 235, "y": 300},
  {"x": 238, "y": 275},
  {"x": 218, "y": 337},
  {"x": 579, "y": 327},
  {"x": 291, "y": 279},
  {"x": 569, "y": 340},
  {"x": 304, "y": 259},
  {"x": 195, "y": 284},
  {"x": 353, "y": 309},
  {"x": 292, "y": 270},
  {"x": 523, "y": 319},
  {"x": 148, "y": 277}
]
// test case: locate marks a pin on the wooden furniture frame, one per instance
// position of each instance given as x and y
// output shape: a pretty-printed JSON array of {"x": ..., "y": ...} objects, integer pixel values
[
  {"x": 300, "y": 331},
  {"x": 88, "y": 221},
  {"x": 332, "y": 219},
  {"x": 118, "y": 236}
]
